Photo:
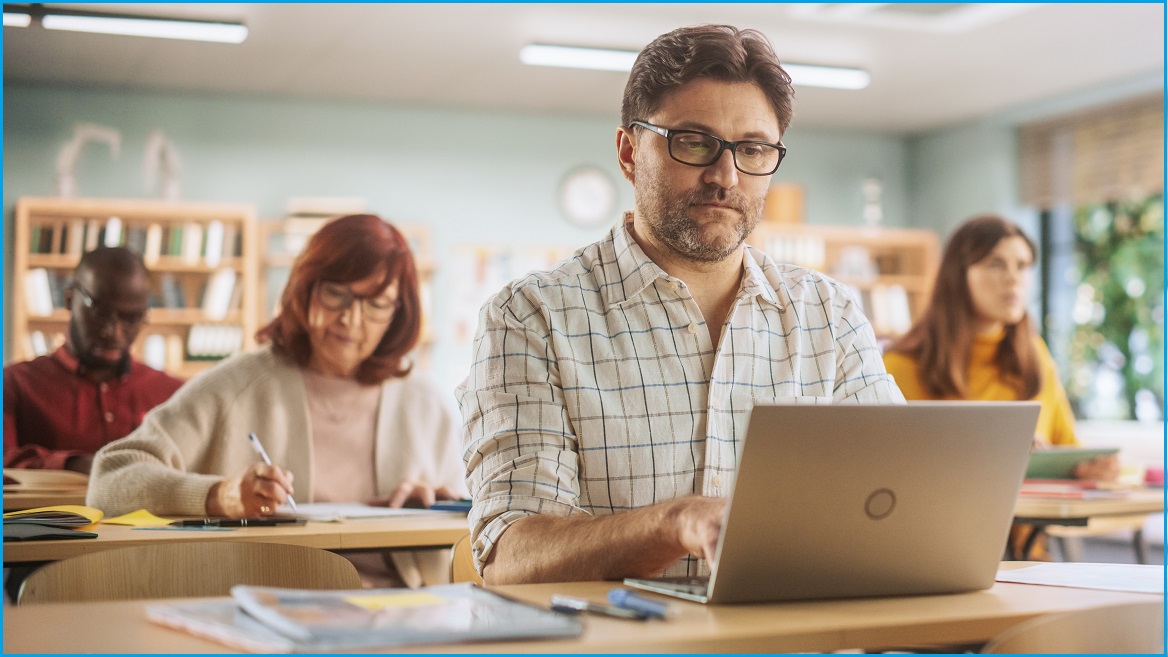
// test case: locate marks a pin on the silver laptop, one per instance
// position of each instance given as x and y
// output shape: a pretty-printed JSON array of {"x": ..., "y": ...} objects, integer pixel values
[{"x": 841, "y": 501}]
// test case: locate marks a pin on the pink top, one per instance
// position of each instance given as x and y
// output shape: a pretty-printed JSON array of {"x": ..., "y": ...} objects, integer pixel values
[{"x": 343, "y": 418}]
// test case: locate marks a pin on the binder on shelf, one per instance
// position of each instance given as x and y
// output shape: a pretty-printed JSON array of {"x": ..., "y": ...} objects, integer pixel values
[
  {"x": 231, "y": 234},
  {"x": 92, "y": 234},
  {"x": 75, "y": 243}
]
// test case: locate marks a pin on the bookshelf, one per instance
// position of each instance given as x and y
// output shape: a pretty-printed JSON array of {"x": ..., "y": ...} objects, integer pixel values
[
  {"x": 283, "y": 239},
  {"x": 890, "y": 269},
  {"x": 203, "y": 264}
]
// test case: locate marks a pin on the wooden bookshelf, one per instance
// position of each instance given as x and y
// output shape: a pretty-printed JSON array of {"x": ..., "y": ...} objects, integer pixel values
[
  {"x": 186, "y": 247},
  {"x": 282, "y": 240},
  {"x": 888, "y": 268}
]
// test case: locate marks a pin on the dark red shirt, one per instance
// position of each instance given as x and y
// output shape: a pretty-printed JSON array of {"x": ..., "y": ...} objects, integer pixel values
[{"x": 52, "y": 412}]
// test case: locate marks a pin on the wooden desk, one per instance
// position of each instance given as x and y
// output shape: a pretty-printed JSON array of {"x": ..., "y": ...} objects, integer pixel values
[
  {"x": 1044, "y": 512},
  {"x": 19, "y": 501},
  {"x": 437, "y": 529},
  {"x": 786, "y": 627}
]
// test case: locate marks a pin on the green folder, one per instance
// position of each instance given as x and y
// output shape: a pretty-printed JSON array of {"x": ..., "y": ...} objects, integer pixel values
[{"x": 1060, "y": 462}]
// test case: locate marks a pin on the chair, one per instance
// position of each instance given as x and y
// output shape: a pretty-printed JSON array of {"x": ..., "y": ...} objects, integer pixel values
[
  {"x": 1136, "y": 627},
  {"x": 462, "y": 567},
  {"x": 186, "y": 569}
]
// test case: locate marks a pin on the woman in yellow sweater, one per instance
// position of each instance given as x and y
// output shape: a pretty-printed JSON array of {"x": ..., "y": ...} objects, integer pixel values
[{"x": 976, "y": 341}]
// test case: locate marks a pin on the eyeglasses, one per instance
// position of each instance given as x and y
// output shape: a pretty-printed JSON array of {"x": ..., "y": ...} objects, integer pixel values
[
  {"x": 339, "y": 298},
  {"x": 700, "y": 149},
  {"x": 104, "y": 316}
]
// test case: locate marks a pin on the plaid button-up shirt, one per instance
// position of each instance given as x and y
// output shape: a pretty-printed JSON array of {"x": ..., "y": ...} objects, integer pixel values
[{"x": 595, "y": 387}]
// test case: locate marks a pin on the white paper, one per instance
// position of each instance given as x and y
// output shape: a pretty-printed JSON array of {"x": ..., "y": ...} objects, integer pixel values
[
  {"x": 336, "y": 512},
  {"x": 1104, "y": 576}
]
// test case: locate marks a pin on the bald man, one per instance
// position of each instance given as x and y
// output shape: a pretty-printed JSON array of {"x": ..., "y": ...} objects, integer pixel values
[{"x": 61, "y": 408}]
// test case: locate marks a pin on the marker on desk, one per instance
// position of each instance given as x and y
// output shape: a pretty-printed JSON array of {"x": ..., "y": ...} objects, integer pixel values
[
  {"x": 565, "y": 604},
  {"x": 626, "y": 599},
  {"x": 263, "y": 454}
]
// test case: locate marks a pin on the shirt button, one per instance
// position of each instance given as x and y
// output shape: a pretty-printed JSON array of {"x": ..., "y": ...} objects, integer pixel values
[
  {"x": 717, "y": 481},
  {"x": 693, "y": 329},
  {"x": 109, "y": 417},
  {"x": 677, "y": 285}
]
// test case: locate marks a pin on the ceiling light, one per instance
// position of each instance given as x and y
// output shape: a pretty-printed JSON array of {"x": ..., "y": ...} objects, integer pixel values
[
  {"x": 132, "y": 25},
  {"x": 604, "y": 59},
  {"x": 16, "y": 19}
]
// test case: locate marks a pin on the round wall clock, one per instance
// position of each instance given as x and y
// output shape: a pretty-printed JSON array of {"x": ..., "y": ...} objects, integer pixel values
[{"x": 587, "y": 196}]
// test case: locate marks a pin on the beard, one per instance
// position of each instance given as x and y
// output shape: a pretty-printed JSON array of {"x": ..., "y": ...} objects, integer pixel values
[
  {"x": 670, "y": 220},
  {"x": 90, "y": 361}
]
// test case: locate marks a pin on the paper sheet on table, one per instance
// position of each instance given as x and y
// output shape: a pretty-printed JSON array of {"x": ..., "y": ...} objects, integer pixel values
[
  {"x": 1105, "y": 576},
  {"x": 139, "y": 518},
  {"x": 336, "y": 512}
]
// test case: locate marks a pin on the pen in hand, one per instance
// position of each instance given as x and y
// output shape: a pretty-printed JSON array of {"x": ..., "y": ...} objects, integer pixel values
[{"x": 259, "y": 449}]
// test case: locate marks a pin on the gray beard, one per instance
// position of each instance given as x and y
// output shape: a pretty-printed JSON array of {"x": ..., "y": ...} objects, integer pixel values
[{"x": 670, "y": 223}]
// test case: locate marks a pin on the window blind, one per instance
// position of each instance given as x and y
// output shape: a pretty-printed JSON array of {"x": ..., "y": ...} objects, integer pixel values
[{"x": 1105, "y": 154}]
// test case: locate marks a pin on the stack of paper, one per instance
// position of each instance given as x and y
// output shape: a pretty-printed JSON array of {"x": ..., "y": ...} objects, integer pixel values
[
  {"x": 51, "y": 522},
  {"x": 264, "y": 619}
]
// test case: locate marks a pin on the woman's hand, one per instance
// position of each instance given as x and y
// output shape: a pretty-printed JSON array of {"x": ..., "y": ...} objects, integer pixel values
[
  {"x": 254, "y": 493},
  {"x": 1100, "y": 468},
  {"x": 414, "y": 494}
]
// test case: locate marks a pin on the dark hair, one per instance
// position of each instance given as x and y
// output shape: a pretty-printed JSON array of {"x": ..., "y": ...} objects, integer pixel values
[
  {"x": 344, "y": 250},
  {"x": 941, "y": 340},
  {"x": 720, "y": 52},
  {"x": 115, "y": 260}
]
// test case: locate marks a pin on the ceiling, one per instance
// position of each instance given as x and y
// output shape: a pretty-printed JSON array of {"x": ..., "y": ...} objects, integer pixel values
[{"x": 931, "y": 64}]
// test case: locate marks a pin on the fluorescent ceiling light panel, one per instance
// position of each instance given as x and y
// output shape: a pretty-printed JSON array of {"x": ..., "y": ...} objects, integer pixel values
[
  {"x": 16, "y": 20},
  {"x": 147, "y": 27},
  {"x": 602, "y": 59},
  {"x": 599, "y": 59}
]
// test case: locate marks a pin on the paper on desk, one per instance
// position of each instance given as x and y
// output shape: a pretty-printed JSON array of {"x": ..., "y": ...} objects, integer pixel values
[
  {"x": 1104, "y": 576},
  {"x": 336, "y": 512},
  {"x": 139, "y": 518}
]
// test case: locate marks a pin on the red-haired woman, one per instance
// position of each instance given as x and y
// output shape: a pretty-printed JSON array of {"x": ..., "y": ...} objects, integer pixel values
[{"x": 329, "y": 395}]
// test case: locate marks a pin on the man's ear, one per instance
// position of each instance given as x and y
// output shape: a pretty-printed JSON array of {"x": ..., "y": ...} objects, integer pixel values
[{"x": 626, "y": 153}]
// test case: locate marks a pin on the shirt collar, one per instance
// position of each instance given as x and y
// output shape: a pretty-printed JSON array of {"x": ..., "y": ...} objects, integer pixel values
[
  {"x": 73, "y": 365},
  {"x": 632, "y": 270}
]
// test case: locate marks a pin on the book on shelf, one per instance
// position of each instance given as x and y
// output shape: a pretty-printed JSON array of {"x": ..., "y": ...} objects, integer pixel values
[
  {"x": 231, "y": 240},
  {"x": 75, "y": 240},
  {"x": 217, "y": 294},
  {"x": 113, "y": 232},
  {"x": 37, "y": 344},
  {"x": 213, "y": 341},
  {"x": 192, "y": 242},
  {"x": 268, "y": 619},
  {"x": 92, "y": 234},
  {"x": 153, "y": 248},
  {"x": 214, "y": 248},
  {"x": 38, "y": 293},
  {"x": 174, "y": 240},
  {"x": 136, "y": 239},
  {"x": 173, "y": 295}
]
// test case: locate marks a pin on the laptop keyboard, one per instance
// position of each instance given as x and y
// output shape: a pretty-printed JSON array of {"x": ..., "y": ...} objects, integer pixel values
[{"x": 694, "y": 585}]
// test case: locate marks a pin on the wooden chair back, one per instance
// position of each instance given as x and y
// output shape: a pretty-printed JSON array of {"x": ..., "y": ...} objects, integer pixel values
[
  {"x": 186, "y": 569},
  {"x": 462, "y": 567},
  {"x": 1136, "y": 627}
]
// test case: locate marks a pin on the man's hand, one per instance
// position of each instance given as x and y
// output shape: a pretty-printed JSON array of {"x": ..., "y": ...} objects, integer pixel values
[
  {"x": 82, "y": 463},
  {"x": 1100, "y": 468},
  {"x": 699, "y": 522},
  {"x": 413, "y": 494},
  {"x": 254, "y": 493}
]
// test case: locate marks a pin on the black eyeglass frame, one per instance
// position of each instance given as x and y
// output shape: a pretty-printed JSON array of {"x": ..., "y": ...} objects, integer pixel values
[
  {"x": 723, "y": 146},
  {"x": 350, "y": 298},
  {"x": 104, "y": 316}
]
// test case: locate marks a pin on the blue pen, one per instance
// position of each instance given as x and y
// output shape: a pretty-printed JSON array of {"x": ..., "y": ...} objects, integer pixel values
[
  {"x": 626, "y": 599},
  {"x": 255, "y": 444}
]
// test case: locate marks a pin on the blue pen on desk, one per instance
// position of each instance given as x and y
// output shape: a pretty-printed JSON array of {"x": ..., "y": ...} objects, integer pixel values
[
  {"x": 626, "y": 599},
  {"x": 255, "y": 444}
]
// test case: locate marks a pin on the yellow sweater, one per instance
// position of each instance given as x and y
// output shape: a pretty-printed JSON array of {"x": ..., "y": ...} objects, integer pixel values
[{"x": 1056, "y": 422}]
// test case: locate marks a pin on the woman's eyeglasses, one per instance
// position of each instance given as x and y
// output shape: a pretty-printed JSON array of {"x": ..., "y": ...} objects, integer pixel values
[{"x": 338, "y": 298}]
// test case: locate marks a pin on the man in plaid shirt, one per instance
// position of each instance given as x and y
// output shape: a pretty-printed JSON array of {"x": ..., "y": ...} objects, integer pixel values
[{"x": 608, "y": 397}]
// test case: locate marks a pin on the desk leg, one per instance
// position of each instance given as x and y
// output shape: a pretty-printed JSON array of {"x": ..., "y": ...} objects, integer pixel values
[{"x": 1028, "y": 546}]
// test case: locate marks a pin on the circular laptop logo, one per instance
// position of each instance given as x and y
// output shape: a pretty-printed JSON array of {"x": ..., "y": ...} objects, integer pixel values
[{"x": 880, "y": 504}]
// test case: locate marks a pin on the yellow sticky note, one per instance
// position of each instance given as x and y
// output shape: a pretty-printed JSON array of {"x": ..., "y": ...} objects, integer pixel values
[
  {"x": 139, "y": 518},
  {"x": 375, "y": 602}
]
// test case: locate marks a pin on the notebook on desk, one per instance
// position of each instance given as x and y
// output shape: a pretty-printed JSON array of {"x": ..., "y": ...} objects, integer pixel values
[{"x": 867, "y": 500}]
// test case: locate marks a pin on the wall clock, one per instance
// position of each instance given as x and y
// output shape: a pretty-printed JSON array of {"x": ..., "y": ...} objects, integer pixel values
[{"x": 587, "y": 196}]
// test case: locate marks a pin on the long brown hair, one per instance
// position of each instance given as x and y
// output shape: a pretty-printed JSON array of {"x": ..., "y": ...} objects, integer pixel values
[
  {"x": 344, "y": 250},
  {"x": 942, "y": 339}
]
